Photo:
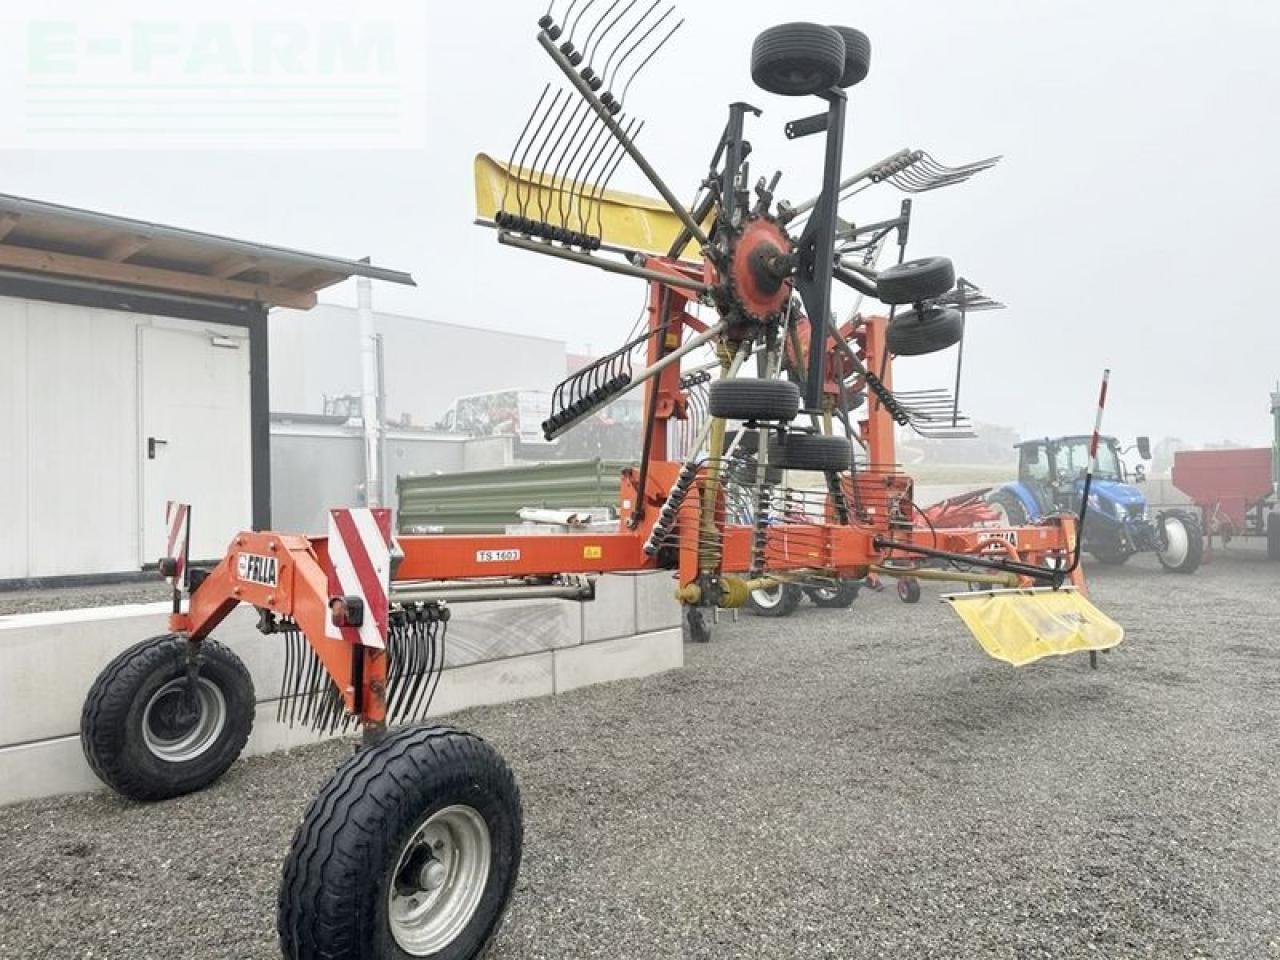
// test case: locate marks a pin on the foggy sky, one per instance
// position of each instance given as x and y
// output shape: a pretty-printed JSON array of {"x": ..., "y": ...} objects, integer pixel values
[{"x": 1131, "y": 224}]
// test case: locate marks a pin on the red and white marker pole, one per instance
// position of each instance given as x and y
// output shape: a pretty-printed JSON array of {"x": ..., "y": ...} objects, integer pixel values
[{"x": 1093, "y": 466}]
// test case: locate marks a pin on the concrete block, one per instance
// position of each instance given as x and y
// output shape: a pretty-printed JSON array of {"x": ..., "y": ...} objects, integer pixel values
[
  {"x": 44, "y": 769},
  {"x": 497, "y": 630},
  {"x": 613, "y": 612},
  {"x": 636, "y": 656},
  {"x": 499, "y": 681},
  {"x": 656, "y": 604}
]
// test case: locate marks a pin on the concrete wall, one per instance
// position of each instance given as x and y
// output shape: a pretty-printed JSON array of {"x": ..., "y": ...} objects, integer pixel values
[
  {"x": 428, "y": 364},
  {"x": 495, "y": 652}
]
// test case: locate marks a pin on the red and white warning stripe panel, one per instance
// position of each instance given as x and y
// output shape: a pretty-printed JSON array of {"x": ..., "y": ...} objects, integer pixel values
[
  {"x": 360, "y": 566},
  {"x": 1097, "y": 423},
  {"x": 177, "y": 518}
]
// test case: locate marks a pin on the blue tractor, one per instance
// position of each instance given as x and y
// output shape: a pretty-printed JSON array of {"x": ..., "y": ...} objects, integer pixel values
[{"x": 1119, "y": 523}]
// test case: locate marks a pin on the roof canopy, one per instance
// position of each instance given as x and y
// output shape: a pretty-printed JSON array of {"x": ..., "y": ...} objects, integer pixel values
[{"x": 50, "y": 239}]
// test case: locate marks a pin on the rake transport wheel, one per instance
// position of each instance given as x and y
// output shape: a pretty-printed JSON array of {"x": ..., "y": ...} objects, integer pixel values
[
  {"x": 810, "y": 451},
  {"x": 1183, "y": 543},
  {"x": 779, "y": 601},
  {"x": 908, "y": 589},
  {"x": 916, "y": 280},
  {"x": 838, "y": 596},
  {"x": 147, "y": 737},
  {"x": 915, "y": 334},
  {"x": 798, "y": 59},
  {"x": 750, "y": 398},
  {"x": 857, "y": 56},
  {"x": 411, "y": 850}
]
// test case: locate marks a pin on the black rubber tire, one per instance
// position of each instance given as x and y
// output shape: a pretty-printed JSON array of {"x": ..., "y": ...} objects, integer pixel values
[
  {"x": 748, "y": 446},
  {"x": 839, "y": 597},
  {"x": 111, "y": 731},
  {"x": 857, "y": 56},
  {"x": 1195, "y": 546},
  {"x": 916, "y": 280},
  {"x": 908, "y": 589},
  {"x": 333, "y": 892},
  {"x": 1273, "y": 536},
  {"x": 697, "y": 625},
  {"x": 1014, "y": 509},
  {"x": 789, "y": 600},
  {"x": 811, "y": 451},
  {"x": 915, "y": 334},
  {"x": 797, "y": 59},
  {"x": 751, "y": 398},
  {"x": 1112, "y": 558}
]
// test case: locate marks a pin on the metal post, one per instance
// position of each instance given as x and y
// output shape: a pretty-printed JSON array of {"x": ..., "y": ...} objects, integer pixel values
[
  {"x": 369, "y": 392},
  {"x": 260, "y": 418}
]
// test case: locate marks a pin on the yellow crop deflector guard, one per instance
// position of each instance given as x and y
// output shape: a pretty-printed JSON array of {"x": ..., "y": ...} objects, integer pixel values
[
  {"x": 1023, "y": 626},
  {"x": 620, "y": 219}
]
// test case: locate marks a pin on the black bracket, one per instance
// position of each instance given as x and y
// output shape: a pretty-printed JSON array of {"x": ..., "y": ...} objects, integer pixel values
[{"x": 807, "y": 126}]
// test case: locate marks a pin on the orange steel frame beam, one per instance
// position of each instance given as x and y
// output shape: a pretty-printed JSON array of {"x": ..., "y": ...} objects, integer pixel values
[{"x": 301, "y": 594}]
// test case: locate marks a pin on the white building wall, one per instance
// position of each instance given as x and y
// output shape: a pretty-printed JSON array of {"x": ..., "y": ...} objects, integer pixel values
[
  {"x": 428, "y": 364},
  {"x": 70, "y": 444}
]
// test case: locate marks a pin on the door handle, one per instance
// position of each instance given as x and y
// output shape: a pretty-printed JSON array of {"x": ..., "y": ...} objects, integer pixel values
[{"x": 152, "y": 443}]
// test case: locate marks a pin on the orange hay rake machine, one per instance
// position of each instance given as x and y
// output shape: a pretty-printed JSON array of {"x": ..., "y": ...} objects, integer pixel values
[{"x": 412, "y": 849}]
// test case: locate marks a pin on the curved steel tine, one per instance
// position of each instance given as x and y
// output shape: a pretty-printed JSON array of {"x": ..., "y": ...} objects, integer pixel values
[
  {"x": 537, "y": 160},
  {"x": 511, "y": 169},
  {"x": 604, "y": 183},
  {"x": 622, "y": 42},
  {"x": 524, "y": 168},
  {"x": 599, "y": 166},
  {"x": 581, "y": 174},
  {"x": 574, "y": 29},
  {"x": 645, "y": 62},
  {"x": 582, "y": 113},
  {"x": 588, "y": 50}
]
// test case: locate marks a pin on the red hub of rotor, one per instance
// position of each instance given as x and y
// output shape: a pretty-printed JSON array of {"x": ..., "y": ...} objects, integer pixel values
[{"x": 759, "y": 269}]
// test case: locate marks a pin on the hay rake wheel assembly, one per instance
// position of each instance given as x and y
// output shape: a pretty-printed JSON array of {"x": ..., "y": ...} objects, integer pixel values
[{"x": 413, "y": 847}]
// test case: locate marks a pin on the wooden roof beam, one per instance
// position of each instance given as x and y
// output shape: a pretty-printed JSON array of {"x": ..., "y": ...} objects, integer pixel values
[
  {"x": 8, "y": 221},
  {"x": 230, "y": 266},
  {"x": 174, "y": 281},
  {"x": 121, "y": 248}
]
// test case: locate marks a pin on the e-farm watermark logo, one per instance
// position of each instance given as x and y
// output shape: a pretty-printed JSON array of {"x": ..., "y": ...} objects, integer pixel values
[{"x": 333, "y": 76}]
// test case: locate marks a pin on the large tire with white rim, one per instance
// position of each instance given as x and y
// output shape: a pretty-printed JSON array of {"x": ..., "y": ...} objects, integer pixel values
[
  {"x": 1184, "y": 543},
  {"x": 412, "y": 849},
  {"x": 1009, "y": 510},
  {"x": 779, "y": 601},
  {"x": 147, "y": 738}
]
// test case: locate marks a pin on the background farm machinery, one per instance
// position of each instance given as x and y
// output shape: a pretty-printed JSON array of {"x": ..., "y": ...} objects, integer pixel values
[
  {"x": 1120, "y": 523},
  {"x": 412, "y": 849},
  {"x": 1236, "y": 491}
]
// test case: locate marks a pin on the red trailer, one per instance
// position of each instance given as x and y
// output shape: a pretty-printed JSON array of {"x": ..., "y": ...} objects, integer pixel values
[{"x": 1236, "y": 490}]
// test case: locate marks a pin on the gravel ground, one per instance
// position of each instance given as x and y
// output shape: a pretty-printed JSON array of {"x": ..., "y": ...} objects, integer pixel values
[
  {"x": 851, "y": 785},
  {"x": 73, "y": 598}
]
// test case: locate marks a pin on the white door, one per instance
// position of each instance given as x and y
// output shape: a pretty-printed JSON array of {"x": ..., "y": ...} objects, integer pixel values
[{"x": 195, "y": 437}]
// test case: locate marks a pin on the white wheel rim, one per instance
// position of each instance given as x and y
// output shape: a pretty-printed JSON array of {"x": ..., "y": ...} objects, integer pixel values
[
  {"x": 1002, "y": 514},
  {"x": 439, "y": 879},
  {"x": 169, "y": 729},
  {"x": 769, "y": 598},
  {"x": 827, "y": 593},
  {"x": 1177, "y": 542}
]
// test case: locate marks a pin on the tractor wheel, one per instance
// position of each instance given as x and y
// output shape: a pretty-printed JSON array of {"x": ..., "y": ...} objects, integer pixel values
[
  {"x": 838, "y": 596},
  {"x": 798, "y": 59},
  {"x": 779, "y": 601},
  {"x": 1273, "y": 536},
  {"x": 411, "y": 850},
  {"x": 916, "y": 280},
  {"x": 908, "y": 589},
  {"x": 915, "y": 334},
  {"x": 147, "y": 738},
  {"x": 749, "y": 398},
  {"x": 809, "y": 451},
  {"x": 1009, "y": 510},
  {"x": 1112, "y": 556},
  {"x": 1184, "y": 544},
  {"x": 857, "y": 56}
]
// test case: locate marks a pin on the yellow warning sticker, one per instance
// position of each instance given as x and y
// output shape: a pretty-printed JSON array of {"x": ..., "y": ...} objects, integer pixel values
[{"x": 592, "y": 553}]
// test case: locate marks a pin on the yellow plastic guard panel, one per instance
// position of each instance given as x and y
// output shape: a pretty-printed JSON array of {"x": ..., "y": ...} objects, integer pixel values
[
  {"x": 1023, "y": 626},
  {"x": 621, "y": 219}
]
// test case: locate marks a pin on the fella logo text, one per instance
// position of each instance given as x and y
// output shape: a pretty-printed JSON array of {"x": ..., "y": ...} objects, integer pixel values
[{"x": 255, "y": 568}]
